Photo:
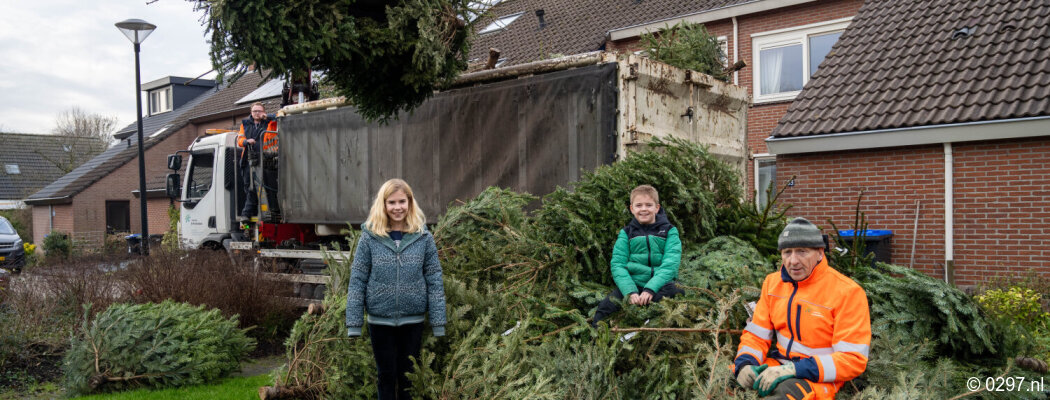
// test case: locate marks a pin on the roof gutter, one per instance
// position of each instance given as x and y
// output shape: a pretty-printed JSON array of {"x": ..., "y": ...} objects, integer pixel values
[
  {"x": 716, "y": 14},
  {"x": 923, "y": 135},
  {"x": 50, "y": 200}
]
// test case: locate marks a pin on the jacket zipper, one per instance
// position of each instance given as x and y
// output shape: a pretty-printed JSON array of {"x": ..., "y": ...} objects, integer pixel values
[
  {"x": 798, "y": 322},
  {"x": 649, "y": 258},
  {"x": 790, "y": 330},
  {"x": 397, "y": 285}
]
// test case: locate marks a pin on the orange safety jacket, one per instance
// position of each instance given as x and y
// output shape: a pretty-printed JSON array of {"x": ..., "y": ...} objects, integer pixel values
[
  {"x": 269, "y": 138},
  {"x": 821, "y": 324}
]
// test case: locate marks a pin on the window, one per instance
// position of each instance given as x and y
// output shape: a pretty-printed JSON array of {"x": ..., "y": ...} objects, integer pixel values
[
  {"x": 118, "y": 216},
  {"x": 12, "y": 169},
  {"x": 723, "y": 45},
  {"x": 201, "y": 166},
  {"x": 160, "y": 101},
  {"x": 785, "y": 59},
  {"x": 500, "y": 23},
  {"x": 765, "y": 179}
]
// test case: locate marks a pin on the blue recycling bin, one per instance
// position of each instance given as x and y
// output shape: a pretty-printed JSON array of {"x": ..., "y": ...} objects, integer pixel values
[
  {"x": 875, "y": 241},
  {"x": 135, "y": 241}
]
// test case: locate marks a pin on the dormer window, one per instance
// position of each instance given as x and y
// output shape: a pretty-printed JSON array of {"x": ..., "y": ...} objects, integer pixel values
[{"x": 160, "y": 100}]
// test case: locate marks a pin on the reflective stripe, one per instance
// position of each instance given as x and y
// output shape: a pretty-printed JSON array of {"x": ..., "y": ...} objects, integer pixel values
[
  {"x": 759, "y": 331},
  {"x": 852, "y": 347},
  {"x": 814, "y": 304},
  {"x": 752, "y": 351},
  {"x": 828, "y": 365},
  {"x": 782, "y": 341}
]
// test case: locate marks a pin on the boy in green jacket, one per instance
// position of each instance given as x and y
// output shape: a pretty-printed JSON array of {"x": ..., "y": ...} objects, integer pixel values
[{"x": 645, "y": 257}]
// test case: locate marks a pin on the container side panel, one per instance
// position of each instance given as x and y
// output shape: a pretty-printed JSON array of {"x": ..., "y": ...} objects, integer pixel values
[{"x": 529, "y": 134}]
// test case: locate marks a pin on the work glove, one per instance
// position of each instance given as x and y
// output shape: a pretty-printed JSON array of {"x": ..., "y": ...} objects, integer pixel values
[
  {"x": 771, "y": 377},
  {"x": 746, "y": 377}
]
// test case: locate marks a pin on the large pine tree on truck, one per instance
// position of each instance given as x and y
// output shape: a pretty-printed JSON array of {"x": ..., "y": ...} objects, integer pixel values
[{"x": 383, "y": 55}]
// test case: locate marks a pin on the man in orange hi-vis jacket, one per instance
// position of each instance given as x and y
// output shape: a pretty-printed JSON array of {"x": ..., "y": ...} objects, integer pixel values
[
  {"x": 256, "y": 134},
  {"x": 819, "y": 318}
]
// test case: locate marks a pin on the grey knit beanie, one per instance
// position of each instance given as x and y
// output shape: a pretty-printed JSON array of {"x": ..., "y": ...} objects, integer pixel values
[{"x": 800, "y": 233}]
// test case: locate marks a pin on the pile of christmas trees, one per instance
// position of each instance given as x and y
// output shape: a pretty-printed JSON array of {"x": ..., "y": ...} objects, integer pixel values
[{"x": 521, "y": 284}]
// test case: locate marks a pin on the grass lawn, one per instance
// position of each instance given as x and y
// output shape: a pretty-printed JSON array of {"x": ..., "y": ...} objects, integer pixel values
[{"x": 243, "y": 388}]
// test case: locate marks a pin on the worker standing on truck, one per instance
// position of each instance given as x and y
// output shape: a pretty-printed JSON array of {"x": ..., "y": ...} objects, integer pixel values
[
  {"x": 396, "y": 276},
  {"x": 819, "y": 318},
  {"x": 253, "y": 137}
]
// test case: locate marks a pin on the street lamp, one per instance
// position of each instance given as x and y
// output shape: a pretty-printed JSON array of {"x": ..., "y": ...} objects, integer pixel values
[{"x": 137, "y": 30}]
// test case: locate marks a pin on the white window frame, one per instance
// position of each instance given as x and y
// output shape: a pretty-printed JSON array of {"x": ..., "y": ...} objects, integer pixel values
[
  {"x": 798, "y": 35},
  {"x": 723, "y": 44},
  {"x": 163, "y": 103},
  {"x": 758, "y": 159}
]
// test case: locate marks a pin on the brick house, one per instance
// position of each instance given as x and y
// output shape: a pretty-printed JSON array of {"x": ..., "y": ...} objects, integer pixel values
[
  {"x": 102, "y": 195},
  {"x": 782, "y": 42},
  {"x": 940, "y": 112}
]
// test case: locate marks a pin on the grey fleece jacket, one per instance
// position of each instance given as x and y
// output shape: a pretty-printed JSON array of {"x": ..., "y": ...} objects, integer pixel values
[{"x": 396, "y": 284}]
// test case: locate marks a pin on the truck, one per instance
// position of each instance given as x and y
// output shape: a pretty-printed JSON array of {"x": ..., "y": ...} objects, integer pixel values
[{"x": 531, "y": 128}]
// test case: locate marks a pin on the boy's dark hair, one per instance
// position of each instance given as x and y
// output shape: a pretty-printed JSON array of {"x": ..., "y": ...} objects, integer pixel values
[{"x": 646, "y": 190}]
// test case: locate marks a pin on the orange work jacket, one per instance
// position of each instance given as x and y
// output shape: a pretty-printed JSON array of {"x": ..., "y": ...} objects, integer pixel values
[
  {"x": 820, "y": 323},
  {"x": 269, "y": 138}
]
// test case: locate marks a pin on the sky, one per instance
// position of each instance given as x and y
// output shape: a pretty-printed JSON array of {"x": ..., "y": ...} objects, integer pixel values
[{"x": 57, "y": 54}]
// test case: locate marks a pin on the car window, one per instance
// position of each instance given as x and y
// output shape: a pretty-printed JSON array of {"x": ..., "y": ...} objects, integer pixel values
[{"x": 6, "y": 228}]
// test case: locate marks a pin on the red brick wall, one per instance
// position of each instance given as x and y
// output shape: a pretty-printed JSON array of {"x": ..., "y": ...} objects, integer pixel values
[
  {"x": 1001, "y": 196},
  {"x": 42, "y": 225},
  {"x": 763, "y": 118},
  {"x": 1002, "y": 208}
]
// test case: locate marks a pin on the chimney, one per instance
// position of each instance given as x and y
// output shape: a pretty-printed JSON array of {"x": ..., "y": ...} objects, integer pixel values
[{"x": 539, "y": 15}]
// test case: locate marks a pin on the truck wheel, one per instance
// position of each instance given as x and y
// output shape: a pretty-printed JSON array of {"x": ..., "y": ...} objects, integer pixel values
[
  {"x": 319, "y": 292},
  {"x": 306, "y": 291}
]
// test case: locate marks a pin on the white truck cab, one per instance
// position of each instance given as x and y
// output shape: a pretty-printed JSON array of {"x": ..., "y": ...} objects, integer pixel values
[{"x": 207, "y": 194}]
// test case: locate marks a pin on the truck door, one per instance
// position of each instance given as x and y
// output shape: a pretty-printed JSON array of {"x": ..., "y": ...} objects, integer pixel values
[{"x": 197, "y": 217}]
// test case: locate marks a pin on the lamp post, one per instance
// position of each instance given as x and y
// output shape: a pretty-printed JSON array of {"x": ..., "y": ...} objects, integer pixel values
[{"x": 137, "y": 30}]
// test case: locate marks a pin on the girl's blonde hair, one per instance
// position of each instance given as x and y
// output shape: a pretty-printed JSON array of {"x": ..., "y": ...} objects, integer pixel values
[{"x": 378, "y": 222}]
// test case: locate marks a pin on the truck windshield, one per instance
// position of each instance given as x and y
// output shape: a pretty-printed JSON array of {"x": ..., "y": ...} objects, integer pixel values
[
  {"x": 201, "y": 168},
  {"x": 6, "y": 228}
]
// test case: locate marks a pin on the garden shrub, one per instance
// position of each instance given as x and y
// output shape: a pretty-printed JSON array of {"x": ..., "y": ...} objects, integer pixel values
[
  {"x": 153, "y": 345},
  {"x": 1017, "y": 306},
  {"x": 214, "y": 279},
  {"x": 58, "y": 244},
  {"x": 1020, "y": 309}
]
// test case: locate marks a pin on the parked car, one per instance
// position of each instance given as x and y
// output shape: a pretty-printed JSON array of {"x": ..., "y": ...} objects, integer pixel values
[{"x": 12, "y": 254}]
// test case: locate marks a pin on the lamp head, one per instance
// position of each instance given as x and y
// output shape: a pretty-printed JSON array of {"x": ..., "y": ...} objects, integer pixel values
[{"x": 135, "y": 29}]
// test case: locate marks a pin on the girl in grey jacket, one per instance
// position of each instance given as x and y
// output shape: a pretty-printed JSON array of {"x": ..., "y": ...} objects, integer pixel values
[{"x": 396, "y": 277}]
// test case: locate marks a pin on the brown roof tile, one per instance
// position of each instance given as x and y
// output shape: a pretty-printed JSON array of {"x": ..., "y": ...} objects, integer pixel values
[
  {"x": 574, "y": 27},
  {"x": 905, "y": 64}
]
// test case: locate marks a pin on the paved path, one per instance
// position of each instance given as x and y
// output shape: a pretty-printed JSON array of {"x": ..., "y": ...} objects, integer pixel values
[{"x": 261, "y": 366}]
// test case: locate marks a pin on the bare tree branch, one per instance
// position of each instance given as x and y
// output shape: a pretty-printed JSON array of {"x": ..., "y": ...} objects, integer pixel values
[{"x": 83, "y": 135}]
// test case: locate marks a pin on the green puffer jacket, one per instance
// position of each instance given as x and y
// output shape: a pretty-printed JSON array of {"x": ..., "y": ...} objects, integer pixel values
[{"x": 646, "y": 257}]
